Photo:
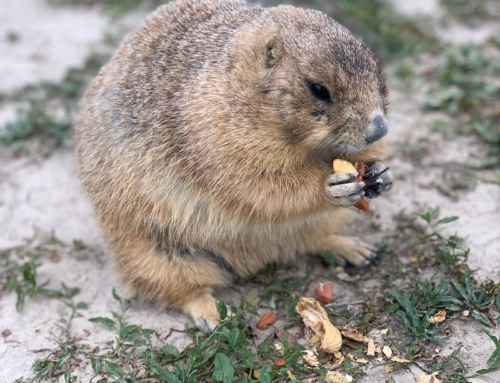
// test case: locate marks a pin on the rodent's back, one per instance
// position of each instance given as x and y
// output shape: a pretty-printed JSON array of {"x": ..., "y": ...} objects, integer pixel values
[
  {"x": 145, "y": 82},
  {"x": 135, "y": 134}
]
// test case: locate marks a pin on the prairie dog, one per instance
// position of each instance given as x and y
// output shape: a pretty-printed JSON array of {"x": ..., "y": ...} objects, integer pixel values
[{"x": 205, "y": 145}]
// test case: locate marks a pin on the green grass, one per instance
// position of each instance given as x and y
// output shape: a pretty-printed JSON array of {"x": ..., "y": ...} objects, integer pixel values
[
  {"x": 229, "y": 354},
  {"x": 19, "y": 272},
  {"x": 36, "y": 121},
  {"x": 412, "y": 299},
  {"x": 467, "y": 11},
  {"x": 466, "y": 92},
  {"x": 282, "y": 286},
  {"x": 493, "y": 361},
  {"x": 50, "y": 111},
  {"x": 389, "y": 33},
  {"x": 235, "y": 351},
  {"x": 113, "y": 8}
]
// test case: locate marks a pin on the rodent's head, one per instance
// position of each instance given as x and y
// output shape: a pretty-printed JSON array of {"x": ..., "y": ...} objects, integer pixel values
[{"x": 321, "y": 86}]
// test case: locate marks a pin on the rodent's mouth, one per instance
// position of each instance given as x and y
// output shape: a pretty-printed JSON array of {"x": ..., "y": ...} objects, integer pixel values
[{"x": 343, "y": 152}]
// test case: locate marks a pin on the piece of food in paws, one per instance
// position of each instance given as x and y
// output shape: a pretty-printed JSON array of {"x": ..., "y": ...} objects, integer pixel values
[{"x": 342, "y": 166}]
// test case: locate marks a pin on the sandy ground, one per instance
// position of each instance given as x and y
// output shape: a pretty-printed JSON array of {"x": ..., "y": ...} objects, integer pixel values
[{"x": 43, "y": 195}]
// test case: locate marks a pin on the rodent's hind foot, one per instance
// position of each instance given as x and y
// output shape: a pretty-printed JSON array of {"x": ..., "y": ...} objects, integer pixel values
[
  {"x": 351, "y": 250},
  {"x": 203, "y": 310}
]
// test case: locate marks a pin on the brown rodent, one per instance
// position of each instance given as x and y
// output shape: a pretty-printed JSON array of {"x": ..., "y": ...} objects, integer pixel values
[{"x": 205, "y": 145}]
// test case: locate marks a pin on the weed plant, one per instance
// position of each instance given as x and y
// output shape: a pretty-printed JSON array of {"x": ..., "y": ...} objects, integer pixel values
[
  {"x": 39, "y": 120},
  {"x": 114, "y": 8},
  {"x": 465, "y": 90},
  {"x": 389, "y": 33},
  {"x": 467, "y": 11},
  {"x": 413, "y": 300},
  {"x": 235, "y": 352}
]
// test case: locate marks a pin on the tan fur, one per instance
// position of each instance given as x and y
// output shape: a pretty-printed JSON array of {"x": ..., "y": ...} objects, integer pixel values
[{"x": 205, "y": 154}]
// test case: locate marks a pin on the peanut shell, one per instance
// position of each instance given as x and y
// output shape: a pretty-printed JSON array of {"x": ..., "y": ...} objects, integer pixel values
[{"x": 315, "y": 317}]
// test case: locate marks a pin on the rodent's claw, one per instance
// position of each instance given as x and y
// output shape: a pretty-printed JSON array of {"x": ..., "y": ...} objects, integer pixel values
[
  {"x": 345, "y": 194},
  {"x": 378, "y": 179},
  {"x": 350, "y": 200},
  {"x": 371, "y": 194},
  {"x": 374, "y": 169},
  {"x": 340, "y": 178}
]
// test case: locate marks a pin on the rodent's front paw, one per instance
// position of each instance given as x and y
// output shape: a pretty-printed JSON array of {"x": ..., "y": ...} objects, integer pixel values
[
  {"x": 345, "y": 193},
  {"x": 378, "y": 179}
]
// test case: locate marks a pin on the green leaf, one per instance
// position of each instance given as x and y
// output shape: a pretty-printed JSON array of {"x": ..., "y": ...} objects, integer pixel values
[
  {"x": 47, "y": 369},
  {"x": 105, "y": 321},
  {"x": 20, "y": 301},
  {"x": 96, "y": 364},
  {"x": 236, "y": 338},
  {"x": 70, "y": 292},
  {"x": 480, "y": 317},
  {"x": 51, "y": 293},
  {"x": 222, "y": 309},
  {"x": 460, "y": 289},
  {"x": 498, "y": 301},
  {"x": 160, "y": 370},
  {"x": 169, "y": 350},
  {"x": 82, "y": 305},
  {"x": 129, "y": 333},
  {"x": 494, "y": 360},
  {"x": 392, "y": 308},
  {"x": 68, "y": 378},
  {"x": 223, "y": 370},
  {"x": 446, "y": 220},
  {"x": 63, "y": 360},
  {"x": 29, "y": 272},
  {"x": 115, "y": 295},
  {"x": 328, "y": 258},
  {"x": 264, "y": 376},
  {"x": 113, "y": 369}
]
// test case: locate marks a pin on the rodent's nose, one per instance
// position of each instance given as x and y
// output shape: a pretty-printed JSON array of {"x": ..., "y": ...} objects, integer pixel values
[{"x": 377, "y": 129}]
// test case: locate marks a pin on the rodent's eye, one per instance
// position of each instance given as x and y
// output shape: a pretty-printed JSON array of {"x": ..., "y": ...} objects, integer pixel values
[{"x": 320, "y": 92}]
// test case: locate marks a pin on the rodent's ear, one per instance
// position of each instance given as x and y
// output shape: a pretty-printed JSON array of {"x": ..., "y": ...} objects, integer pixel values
[{"x": 271, "y": 46}]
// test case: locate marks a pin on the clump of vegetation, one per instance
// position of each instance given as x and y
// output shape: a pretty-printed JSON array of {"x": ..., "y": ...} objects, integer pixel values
[
  {"x": 451, "y": 290},
  {"x": 283, "y": 286},
  {"x": 466, "y": 91},
  {"x": 229, "y": 354},
  {"x": 113, "y": 7},
  {"x": 418, "y": 237},
  {"x": 234, "y": 352},
  {"x": 389, "y": 33},
  {"x": 35, "y": 121},
  {"x": 19, "y": 270},
  {"x": 467, "y": 10},
  {"x": 39, "y": 118}
]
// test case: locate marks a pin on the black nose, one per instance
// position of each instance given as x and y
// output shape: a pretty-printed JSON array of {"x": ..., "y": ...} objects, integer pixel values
[{"x": 377, "y": 130}]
